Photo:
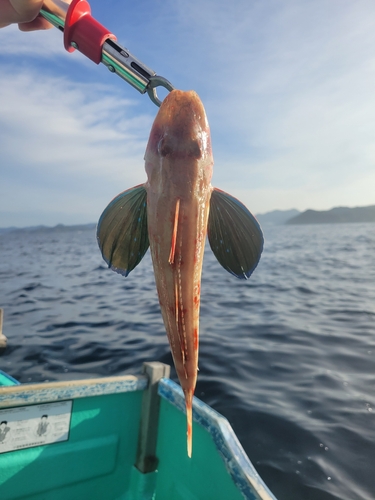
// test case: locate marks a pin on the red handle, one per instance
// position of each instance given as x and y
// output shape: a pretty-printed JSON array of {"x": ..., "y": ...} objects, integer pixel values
[{"x": 81, "y": 29}]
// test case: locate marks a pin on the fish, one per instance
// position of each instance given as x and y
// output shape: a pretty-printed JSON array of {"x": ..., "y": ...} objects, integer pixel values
[{"x": 173, "y": 212}]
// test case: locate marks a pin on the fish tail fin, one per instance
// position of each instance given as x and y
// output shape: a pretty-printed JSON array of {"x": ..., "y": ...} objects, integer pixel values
[{"x": 189, "y": 417}]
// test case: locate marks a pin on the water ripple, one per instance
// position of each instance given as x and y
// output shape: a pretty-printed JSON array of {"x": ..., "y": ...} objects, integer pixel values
[{"x": 288, "y": 356}]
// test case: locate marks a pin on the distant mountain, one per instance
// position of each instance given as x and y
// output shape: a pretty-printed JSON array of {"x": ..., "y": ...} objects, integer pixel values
[
  {"x": 55, "y": 229},
  {"x": 276, "y": 216},
  {"x": 335, "y": 216},
  {"x": 7, "y": 229}
]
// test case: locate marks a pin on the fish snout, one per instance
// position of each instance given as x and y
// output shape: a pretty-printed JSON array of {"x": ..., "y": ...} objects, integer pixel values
[{"x": 180, "y": 128}]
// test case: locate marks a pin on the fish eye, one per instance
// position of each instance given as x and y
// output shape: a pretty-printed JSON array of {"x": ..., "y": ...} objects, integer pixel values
[
  {"x": 195, "y": 149},
  {"x": 163, "y": 147},
  {"x": 188, "y": 148}
]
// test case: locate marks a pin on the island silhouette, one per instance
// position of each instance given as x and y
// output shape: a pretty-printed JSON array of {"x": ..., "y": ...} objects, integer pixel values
[{"x": 337, "y": 215}]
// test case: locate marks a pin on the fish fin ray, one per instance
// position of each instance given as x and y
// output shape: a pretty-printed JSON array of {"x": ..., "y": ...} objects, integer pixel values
[
  {"x": 122, "y": 230},
  {"x": 176, "y": 303},
  {"x": 234, "y": 234},
  {"x": 174, "y": 233}
]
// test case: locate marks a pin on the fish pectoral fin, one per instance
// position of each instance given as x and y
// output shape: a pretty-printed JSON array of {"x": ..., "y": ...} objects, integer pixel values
[
  {"x": 234, "y": 234},
  {"x": 122, "y": 230}
]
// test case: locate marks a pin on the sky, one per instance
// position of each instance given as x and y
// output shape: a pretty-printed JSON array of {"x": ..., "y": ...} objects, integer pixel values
[{"x": 288, "y": 87}]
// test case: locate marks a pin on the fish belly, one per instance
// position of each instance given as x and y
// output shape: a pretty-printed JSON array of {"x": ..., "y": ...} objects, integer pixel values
[{"x": 177, "y": 234}]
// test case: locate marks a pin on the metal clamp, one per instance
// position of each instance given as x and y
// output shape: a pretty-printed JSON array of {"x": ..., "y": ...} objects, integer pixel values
[
  {"x": 120, "y": 61},
  {"x": 82, "y": 32}
]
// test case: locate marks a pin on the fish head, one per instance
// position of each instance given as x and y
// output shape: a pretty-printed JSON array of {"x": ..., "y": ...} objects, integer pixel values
[{"x": 179, "y": 145}]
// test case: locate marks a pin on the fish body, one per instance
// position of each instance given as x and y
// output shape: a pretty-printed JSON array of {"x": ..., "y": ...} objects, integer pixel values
[
  {"x": 179, "y": 169},
  {"x": 172, "y": 213}
]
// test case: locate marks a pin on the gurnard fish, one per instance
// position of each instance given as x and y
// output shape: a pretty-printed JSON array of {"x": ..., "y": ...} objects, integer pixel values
[{"x": 172, "y": 213}]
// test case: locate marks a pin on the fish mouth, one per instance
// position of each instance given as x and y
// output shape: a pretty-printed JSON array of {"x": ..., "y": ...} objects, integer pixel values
[
  {"x": 180, "y": 106},
  {"x": 180, "y": 128}
]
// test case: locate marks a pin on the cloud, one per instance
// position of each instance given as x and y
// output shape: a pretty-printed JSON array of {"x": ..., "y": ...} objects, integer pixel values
[
  {"x": 74, "y": 144},
  {"x": 288, "y": 89},
  {"x": 41, "y": 44},
  {"x": 289, "y": 96}
]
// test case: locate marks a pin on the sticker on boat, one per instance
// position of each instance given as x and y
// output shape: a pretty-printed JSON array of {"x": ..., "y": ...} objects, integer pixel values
[{"x": 29, "y": 426}]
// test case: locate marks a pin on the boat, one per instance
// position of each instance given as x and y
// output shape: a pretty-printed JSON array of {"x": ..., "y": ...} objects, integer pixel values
[{"x": 117, "y": 438}]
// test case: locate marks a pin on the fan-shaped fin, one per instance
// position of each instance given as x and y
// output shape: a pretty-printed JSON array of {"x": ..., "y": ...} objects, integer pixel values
[
  {"x": 234, "y": 234},
  {"x": 122, "y": 230}
]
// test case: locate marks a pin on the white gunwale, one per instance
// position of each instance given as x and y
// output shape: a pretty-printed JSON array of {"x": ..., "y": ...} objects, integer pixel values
[{"x": 24, "y": 394}]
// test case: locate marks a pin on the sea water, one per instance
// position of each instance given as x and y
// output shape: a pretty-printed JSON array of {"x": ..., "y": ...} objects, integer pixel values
[{"x": 287, "y": 356}]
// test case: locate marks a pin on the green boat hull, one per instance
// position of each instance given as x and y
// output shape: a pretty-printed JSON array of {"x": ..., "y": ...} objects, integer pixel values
[{"x": 126, "y": 440}]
